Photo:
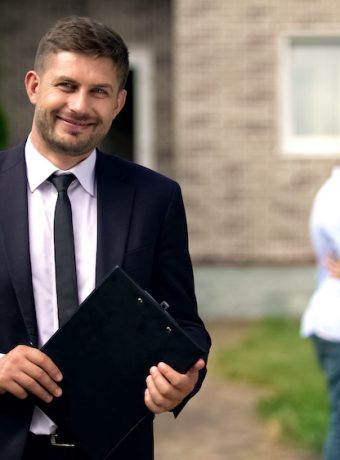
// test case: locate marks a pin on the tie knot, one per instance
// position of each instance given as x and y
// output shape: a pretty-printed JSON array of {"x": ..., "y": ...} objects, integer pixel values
[{"x": 62, "y": 181}]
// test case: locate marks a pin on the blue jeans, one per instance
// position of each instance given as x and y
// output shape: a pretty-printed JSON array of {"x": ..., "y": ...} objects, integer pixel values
[{"x": 329, "y": 358}]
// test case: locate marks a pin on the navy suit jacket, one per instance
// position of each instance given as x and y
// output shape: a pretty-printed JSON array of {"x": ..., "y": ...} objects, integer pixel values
[{"x": 141, "y": 227}]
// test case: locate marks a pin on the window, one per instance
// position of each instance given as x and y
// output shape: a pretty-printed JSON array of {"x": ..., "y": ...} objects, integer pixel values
[
  {"x": 142, "y": 62},
  {"x": 132, "y": 134},
  {"x": 121, "y": 137},
  {"x": 311, "y": 95}
]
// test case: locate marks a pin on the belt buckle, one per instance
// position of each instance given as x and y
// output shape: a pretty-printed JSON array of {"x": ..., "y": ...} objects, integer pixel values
[{"x": 56, "y": 443}]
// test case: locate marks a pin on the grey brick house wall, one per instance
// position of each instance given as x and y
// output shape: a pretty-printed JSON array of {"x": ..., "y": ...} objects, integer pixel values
[{"x": 247, "y": 202}]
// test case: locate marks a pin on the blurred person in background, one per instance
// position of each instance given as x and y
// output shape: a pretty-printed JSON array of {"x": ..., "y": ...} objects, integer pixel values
[{"x": 321, "y": 320}]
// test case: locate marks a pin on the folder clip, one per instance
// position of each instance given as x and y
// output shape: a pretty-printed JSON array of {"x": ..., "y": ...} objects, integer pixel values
[{"x": 164, "y": 305}]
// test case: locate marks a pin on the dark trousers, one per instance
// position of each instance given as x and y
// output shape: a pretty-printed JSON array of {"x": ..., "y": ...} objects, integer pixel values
[{"x": 329, "y": 358}]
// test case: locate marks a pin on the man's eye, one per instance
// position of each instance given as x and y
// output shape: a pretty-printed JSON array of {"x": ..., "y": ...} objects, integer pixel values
[
  {"x": 67, "y": 86},
  {"x": 100, "y": 91}
]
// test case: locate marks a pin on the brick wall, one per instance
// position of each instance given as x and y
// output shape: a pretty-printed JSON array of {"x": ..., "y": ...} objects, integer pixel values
[{"x": 245, "y": 200}]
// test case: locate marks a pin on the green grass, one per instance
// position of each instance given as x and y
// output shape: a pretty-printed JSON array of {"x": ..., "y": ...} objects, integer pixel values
[{"x": 274, "y": 356}]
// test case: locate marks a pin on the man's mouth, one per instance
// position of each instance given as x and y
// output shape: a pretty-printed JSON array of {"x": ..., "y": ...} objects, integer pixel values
[{"x": 76, "y": 123}]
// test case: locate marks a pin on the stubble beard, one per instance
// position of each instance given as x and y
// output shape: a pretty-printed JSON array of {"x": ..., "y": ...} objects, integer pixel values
[{"x": 72, "y": 144}]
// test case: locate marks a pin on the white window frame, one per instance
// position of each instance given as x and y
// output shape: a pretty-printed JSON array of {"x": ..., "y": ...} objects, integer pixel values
[
  {"x": 142, "y": 65},
  {"x": 322, "y": 146}
]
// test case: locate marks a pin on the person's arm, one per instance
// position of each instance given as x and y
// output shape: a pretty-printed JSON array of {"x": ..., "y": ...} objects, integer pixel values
[
  {"x": 26, "y": 370},
  {"x": 323, "y": 243},
  {"x": 333, "y": 266},
  {"x": 173, "y": 282}
]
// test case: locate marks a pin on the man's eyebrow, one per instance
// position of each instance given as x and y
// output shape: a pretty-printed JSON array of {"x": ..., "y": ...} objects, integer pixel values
[
  {"x": 72, "y": 80},
  {"x": 64, "y": 78},
  {"x": 61, "y": 78},
  {"x": 102, "y": 85}
]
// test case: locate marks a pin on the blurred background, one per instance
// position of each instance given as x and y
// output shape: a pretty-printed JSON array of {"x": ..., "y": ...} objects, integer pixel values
[{"x": 238, "y": 100}]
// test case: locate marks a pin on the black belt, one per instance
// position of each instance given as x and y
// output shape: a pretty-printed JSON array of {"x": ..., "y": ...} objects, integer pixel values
[{"x": 54, "y": 439}]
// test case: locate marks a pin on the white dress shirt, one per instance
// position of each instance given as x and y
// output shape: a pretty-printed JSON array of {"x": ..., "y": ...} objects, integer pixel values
[
  {"x": 322, "y": 316},
  {"x": 42, "y": 197}
]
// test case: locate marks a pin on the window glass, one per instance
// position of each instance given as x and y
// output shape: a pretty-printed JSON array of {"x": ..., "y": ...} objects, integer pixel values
[
  {"x": 315, "y": 90},
  {"x": 311, "y": 96}
]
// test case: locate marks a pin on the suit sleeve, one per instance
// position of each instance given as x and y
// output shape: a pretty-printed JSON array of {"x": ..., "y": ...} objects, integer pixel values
[{"x": 173, "y": 279}]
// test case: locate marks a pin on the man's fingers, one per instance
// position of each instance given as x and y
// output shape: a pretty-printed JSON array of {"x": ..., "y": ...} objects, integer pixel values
[
  {"x": 44, "y": 362},
  {"x": 172, "y": 376},
  {"x": 200, "y": 364},
  {"x": 16, "y": 390},
  {"x": 177, "y": 379},
  {"x": 41, "y": 375},
  {"x": 154, "y": 394},
  {"x": 150, "y": 404},
  {"x": 43, "y": 380},
  {"x": 162, "y": 393},
  {"x": 166, "y": 388},
  {"x": 25, "y": 369},
  {"x": 162, "y": 382},
  {"x": 28, "y": 384}
]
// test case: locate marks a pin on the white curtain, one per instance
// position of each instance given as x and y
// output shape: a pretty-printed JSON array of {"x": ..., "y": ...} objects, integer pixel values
[{"x": 315, "y": 89}]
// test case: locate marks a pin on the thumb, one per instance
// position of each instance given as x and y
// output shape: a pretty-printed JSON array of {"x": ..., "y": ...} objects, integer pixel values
[{"x": 197, "y": 366}]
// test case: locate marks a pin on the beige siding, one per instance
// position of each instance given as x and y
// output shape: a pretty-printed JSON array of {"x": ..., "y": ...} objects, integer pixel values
[{"x": 245, "y": 200}]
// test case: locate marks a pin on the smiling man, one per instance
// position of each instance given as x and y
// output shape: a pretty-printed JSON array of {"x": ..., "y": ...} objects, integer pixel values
[
  {"x": 119, "y": 213},
  {"x": 76, "y": 97}
]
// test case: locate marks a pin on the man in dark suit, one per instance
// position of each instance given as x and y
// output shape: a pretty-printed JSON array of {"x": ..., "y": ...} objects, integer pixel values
[{"x": 123, "y": 214}]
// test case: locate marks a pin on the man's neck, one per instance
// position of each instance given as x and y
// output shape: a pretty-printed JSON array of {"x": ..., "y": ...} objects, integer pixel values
[{"x": 60, "y": 160}]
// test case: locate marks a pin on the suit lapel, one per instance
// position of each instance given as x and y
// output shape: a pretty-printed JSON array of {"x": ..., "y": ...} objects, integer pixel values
[
  {"x": 14, "y": 234},
  {"x": 114, "y": 207}
]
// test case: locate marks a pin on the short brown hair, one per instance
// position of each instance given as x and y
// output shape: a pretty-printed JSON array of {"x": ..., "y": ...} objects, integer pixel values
[{"x": 88, "y": 36}]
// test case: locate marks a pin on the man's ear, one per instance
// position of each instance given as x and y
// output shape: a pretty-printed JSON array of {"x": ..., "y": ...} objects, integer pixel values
[
  {"x": 120, "y": 102},
  {"x": 32, "y": 81}
]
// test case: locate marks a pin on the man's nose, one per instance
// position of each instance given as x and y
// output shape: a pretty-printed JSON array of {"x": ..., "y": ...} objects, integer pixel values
[{"x": 78, "y": 102}]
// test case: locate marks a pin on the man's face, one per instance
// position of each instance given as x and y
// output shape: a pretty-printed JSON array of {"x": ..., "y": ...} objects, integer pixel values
[{"x": 76, "y": 97}]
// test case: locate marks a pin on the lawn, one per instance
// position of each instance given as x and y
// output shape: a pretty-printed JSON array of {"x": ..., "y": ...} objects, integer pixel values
[{"x": 273, "y": 356}]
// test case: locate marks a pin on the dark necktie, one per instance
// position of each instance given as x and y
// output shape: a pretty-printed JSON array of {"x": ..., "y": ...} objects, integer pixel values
[{"x": 65, "y": 265}]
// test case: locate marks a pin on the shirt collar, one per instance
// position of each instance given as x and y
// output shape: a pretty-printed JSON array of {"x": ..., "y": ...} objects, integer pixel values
[{"x": 39, "y": 169}]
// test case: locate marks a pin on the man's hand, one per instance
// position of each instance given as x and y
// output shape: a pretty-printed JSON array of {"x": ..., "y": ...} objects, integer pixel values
[
  {"x": 167, "y": 388},
  {"x": 25, "y": 369},
  {"x": 333, "y": 266}
]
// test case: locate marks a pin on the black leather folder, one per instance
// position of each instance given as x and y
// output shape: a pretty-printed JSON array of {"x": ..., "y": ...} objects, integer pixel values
[{"x": 105, "y": 352}]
